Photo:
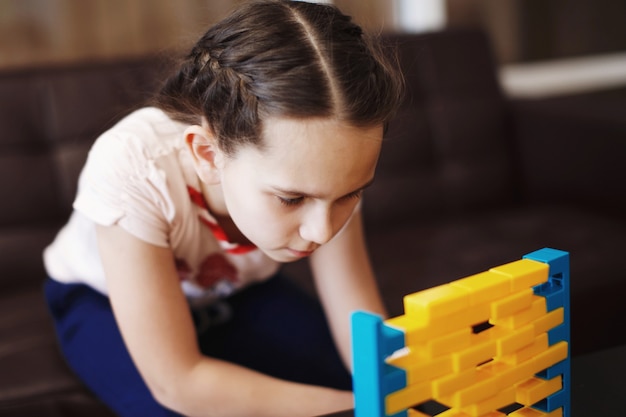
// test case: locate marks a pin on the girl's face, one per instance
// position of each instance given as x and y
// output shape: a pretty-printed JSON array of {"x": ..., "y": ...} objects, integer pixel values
[{"x": 298, "y": 190}]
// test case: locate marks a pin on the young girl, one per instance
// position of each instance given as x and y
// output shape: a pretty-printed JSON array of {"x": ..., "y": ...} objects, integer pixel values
[{"x": 164, "y": 285}]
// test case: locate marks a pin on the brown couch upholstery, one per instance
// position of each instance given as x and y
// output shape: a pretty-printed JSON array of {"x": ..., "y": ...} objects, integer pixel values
[{"x": 467, "y": 180}]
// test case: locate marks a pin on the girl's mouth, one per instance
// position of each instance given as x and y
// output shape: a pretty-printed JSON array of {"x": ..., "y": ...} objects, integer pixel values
[{"x": 299, "y": 253}]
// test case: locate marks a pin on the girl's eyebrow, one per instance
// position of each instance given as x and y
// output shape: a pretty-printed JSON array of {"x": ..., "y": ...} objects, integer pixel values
[{"x": 308, "y": 195}]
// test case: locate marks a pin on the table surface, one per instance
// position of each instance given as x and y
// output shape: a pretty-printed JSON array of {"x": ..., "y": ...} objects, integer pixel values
[{"x": 598, "y": 385}]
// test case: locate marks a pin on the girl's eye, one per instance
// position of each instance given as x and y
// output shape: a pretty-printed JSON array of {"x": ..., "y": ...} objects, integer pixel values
[
  {"x": 356, "y": 194},
  {"x": 289, "y": 202}
]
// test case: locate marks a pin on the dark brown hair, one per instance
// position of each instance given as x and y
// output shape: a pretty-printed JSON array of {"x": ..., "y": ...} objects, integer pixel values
[{"x": 285, "y": 59}]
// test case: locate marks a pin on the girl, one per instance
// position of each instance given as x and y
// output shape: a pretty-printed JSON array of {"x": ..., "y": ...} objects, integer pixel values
[{"x": 164, "y": 284}]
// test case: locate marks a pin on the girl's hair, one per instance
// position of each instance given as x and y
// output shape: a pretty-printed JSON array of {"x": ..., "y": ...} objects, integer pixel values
[{"x": 281, "y": 59}]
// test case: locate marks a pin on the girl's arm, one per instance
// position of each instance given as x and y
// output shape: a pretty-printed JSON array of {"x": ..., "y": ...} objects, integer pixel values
[
  {"x": 156, "y": 324},
  {"x": 345, "y": 282}
]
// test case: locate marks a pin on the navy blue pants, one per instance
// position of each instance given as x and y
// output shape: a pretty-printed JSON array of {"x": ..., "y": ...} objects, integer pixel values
[{"x": 274, "y": 328}]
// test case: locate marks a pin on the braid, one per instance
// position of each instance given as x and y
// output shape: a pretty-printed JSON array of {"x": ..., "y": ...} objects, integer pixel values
[
  {"x": 227, "y": 101},
  {"x": 218, "y": 91}
]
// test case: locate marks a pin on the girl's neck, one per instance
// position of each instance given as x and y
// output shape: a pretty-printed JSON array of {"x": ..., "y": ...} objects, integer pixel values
[{"x": 214, "y": 199}]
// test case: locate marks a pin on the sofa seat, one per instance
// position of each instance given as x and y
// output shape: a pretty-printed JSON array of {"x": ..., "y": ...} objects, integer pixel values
[{"x": 35, "y": 380}]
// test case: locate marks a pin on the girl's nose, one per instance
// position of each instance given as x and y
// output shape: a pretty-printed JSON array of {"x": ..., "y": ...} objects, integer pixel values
[{"x": 317, "y": 226}]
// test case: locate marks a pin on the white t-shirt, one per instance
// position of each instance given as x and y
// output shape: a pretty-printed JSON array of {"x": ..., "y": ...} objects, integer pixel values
[{"x": 140, "y": 176}]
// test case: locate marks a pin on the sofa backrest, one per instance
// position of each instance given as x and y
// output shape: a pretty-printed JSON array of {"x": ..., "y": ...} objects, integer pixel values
[
  {"x": 447, "y": 151},
  {"x": 49, "y": 118}
]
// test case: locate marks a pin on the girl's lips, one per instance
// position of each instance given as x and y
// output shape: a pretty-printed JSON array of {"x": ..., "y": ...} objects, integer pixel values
[{"x": 299, "y": 253}]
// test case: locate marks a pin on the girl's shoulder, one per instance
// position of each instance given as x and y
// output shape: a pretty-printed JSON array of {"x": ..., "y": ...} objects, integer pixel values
[
  {"x": 134, "y": 175},
  {"x": 149, "y": 128},
  {"x": 142, "y": 137}
]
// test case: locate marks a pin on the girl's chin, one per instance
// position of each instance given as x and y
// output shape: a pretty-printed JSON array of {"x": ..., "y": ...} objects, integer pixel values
[{"x": 287, "y": 255}]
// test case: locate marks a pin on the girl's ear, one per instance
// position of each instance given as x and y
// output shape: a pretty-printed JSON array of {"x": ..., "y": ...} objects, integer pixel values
[{"x": 205, "y": 153}]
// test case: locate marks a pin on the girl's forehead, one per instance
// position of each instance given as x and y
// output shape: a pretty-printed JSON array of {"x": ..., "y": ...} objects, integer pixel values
[
  {"x": 318, "y": 132},
  {"x": 315, "y": 156},
  {"x": 316, "y": 146}
]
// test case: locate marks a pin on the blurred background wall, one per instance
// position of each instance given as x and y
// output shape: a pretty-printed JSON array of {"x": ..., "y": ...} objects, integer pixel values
[{"x": 45, "y": 32}]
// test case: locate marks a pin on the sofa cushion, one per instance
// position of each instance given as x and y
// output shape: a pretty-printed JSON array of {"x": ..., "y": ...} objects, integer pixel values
[{"x": 21, "y": 247}]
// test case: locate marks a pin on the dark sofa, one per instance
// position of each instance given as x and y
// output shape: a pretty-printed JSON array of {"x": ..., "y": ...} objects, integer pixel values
[{"x": 467, "y": 180}]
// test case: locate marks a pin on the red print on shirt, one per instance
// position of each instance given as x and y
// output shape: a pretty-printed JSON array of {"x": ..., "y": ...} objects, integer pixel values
[
  {"x": 183, "y": 269},
  {"x": 215, "y": 268}
]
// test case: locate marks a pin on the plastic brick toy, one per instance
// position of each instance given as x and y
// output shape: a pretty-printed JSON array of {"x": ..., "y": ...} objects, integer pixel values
[{"x": 481, "y": 346}]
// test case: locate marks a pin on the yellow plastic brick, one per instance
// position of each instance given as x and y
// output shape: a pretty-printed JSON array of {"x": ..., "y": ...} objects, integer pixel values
[
  {"x": 417, "y": 332},
  {"x": 536, "y": 389},
  {"x": 540, "y": 344},
  {"x": 448, "y": 384},
  {"x": 524, "y": 273},
  {"x": 407, "y": 397},
  {"x": 481, "y": 350},
  {"x": 548, "y": 321},
  {"x": 484, "y": 287},
  {"x": 436, "y": 302},
  {"x": 537, "y": 310},
  {"x": 433, "y": 348},
  {"x": 453, "y": 412},
  {"x": 509, "y": 341},
  {"x": 413, "y": 328},
  {"x": 503, "y": 398},
  {"x": 512, "y": 304},
  {"x": 419, "y": 368},
  {"x": 510, "y": 375},
  {"x": 494, "y": 367},
  {"x": 485, "y": 386},
  {"x": 531, "y": 412},
  {"x": 555, "y": 354}
]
